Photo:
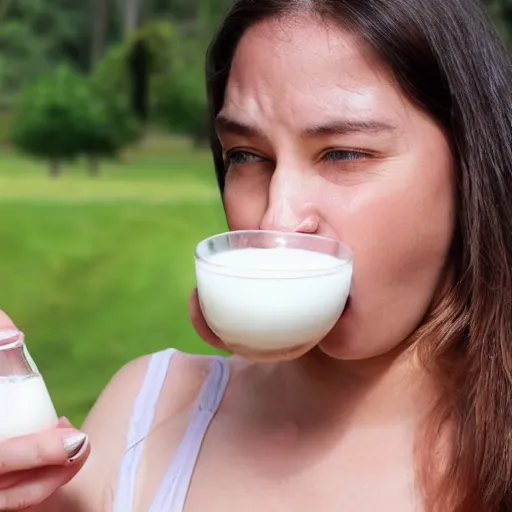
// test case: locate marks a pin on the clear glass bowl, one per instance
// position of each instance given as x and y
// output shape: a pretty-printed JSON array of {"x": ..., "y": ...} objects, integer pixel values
[{"x": 271, "y": 295}]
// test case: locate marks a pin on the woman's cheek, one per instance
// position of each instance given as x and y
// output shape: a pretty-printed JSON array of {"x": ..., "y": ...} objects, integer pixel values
[{"x": 245, "y": 200}]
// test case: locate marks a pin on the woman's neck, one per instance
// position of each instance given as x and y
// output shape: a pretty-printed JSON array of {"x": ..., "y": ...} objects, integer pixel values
[{"x": 320, "y": 392}]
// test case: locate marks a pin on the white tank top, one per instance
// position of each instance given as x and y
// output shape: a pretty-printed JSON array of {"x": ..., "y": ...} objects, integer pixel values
[{"x": 172, "y": 492}]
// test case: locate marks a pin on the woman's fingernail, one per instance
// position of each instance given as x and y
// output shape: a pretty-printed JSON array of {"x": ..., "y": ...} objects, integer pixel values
[{"x": 75, "y": 446}]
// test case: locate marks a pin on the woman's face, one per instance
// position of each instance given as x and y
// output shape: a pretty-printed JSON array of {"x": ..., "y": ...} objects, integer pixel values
[{"x": 318, "y": 139}]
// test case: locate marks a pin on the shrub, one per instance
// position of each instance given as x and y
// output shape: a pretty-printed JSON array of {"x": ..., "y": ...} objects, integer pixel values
[
  {"x": 49, "y": 117},
  {"x": 181, "y": 103},
  {"x": 63, "y": 115}
]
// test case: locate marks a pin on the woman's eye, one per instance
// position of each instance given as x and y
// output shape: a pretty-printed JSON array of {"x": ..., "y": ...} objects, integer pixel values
[
  {"x": 340, "y": 155},
  {"x": 241, "y": 158}
]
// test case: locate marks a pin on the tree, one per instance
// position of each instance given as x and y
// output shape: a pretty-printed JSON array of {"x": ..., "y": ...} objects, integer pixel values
[
  {"x": 132, "y": 12},
  {"x": 105, "y": 129},
  {"x": 100, "y": 27},
  {"x": 49, "y": 118},
  {"x": 117, "y": 74},
  {"x": 38, "y": 35},
  {"x": 181, "y": 104},
  {"x": 63, "y": 116}
]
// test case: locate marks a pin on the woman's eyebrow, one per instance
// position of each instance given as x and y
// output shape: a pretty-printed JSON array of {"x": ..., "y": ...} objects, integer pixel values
[
  {"x": 345, "y": 126},
  {"x": 227, "y": 125}
]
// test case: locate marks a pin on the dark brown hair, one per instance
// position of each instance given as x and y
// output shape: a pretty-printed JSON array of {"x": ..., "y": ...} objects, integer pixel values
[{"x": 447, "y": 57}]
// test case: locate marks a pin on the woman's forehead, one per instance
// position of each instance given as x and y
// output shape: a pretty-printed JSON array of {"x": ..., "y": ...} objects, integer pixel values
[{"x": 306, "y": 67}]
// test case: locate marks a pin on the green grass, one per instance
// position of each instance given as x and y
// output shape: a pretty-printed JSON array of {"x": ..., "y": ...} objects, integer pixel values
[{"x": 98, "y": 271}]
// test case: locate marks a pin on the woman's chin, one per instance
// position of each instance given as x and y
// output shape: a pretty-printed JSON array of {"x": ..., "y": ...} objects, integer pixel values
[{"x": 344, "y": 340}]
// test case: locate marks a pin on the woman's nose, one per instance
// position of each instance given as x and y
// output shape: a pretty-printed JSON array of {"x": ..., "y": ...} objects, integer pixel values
[{"x": 288, "y": 207}]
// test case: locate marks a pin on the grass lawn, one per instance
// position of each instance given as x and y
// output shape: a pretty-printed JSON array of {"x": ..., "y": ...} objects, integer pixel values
[{"x": 98, "y": 271}]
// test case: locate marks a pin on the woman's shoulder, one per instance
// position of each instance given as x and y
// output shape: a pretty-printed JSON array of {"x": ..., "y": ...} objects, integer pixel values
[
  {"x": 156, "y": 372},
  {"x": 170, "y": 380},
  {"x": 174, "y": 366},
  {"x": 109, "y": 420}
]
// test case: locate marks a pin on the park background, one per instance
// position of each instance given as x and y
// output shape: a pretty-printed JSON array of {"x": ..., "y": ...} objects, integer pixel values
[{"x": 106, "y": 182}]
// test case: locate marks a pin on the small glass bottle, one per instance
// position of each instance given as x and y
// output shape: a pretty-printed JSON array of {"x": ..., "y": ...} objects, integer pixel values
[{"x": 25, "y": 404}]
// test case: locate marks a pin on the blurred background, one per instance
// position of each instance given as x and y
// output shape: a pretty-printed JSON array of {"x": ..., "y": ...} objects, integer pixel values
[{"x": 106, "y": 182}]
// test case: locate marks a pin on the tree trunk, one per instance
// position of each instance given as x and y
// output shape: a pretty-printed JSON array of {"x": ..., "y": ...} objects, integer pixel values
[
  {"x": 55, "y": 168},
  {"x": 131, "y": 16},
  {"x": 93, "y": 166},
  {"x": 139, "y": 80},
  {"x": 99, "y": 30},
  {"x": 4, "y": 8}
]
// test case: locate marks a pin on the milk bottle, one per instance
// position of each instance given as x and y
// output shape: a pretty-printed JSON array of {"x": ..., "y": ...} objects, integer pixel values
[{"x": 25, "y": 404}]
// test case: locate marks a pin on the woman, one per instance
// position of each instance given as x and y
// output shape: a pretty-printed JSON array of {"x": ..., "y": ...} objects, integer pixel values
[{"x": 386, "y": 125}]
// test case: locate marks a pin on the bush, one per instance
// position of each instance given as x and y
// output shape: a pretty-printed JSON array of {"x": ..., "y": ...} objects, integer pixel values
[
  {"x": 62, "y": 116},
  {"x": 176, "y": 91},
  {"x": 50, "y": 116},
  {"x": 112, "y": 76},
  {"x": 181, "y": 103},
  {"x": 108, "y": 127}
]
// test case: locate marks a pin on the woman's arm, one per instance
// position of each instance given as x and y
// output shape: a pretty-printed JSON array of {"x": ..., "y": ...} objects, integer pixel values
[{"x": 93, "y": 488}]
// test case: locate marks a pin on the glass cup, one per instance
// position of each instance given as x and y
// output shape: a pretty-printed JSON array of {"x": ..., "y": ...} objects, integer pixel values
[
  {"x": 271, "y": 295},
  {"x": 25, "y": 404}
]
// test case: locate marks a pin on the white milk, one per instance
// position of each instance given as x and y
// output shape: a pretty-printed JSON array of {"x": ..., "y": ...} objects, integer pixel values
[
  {"x": 272, "y": 299},
  {"x": 25, "y": 406}
]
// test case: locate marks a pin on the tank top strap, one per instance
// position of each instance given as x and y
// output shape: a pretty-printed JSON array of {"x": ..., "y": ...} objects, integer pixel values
[
  {"x": 173, "y": 490},
  {"x": 139, "y": 428}
]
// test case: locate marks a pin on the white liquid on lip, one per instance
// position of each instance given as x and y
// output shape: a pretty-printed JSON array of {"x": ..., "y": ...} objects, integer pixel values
[
  {"x": 25, "y": 406},
  {"x": 272, "y": 299}
]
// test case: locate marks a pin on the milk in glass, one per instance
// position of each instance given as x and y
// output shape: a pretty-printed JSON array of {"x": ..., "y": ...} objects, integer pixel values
[
  {"x": 25, "y": 404},
  {"x": 272, "y": 299}
]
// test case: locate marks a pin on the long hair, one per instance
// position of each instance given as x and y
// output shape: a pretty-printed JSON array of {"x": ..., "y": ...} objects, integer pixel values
[{"x": 448, "y": 59}]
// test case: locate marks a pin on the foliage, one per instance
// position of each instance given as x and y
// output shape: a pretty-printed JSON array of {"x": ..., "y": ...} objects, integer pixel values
[
  {"x": 175, "y": 67},
  {"x": 50, "y": 116},
  {"x": 109, "y": 125},
  {"x": 106, "y": 130},
  {"x": 181, "y": 103},
  {"x": 37, "y": 35},
  {"x": 160, "y": 37},
  {"x": 62, "y": 116},
  {"x": 111, "y": 78}
]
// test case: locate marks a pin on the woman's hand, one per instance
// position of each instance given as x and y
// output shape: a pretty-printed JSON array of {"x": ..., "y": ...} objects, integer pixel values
[
  {"x": 33, "y": 467},
  {"x": 200, "y": 325}
]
